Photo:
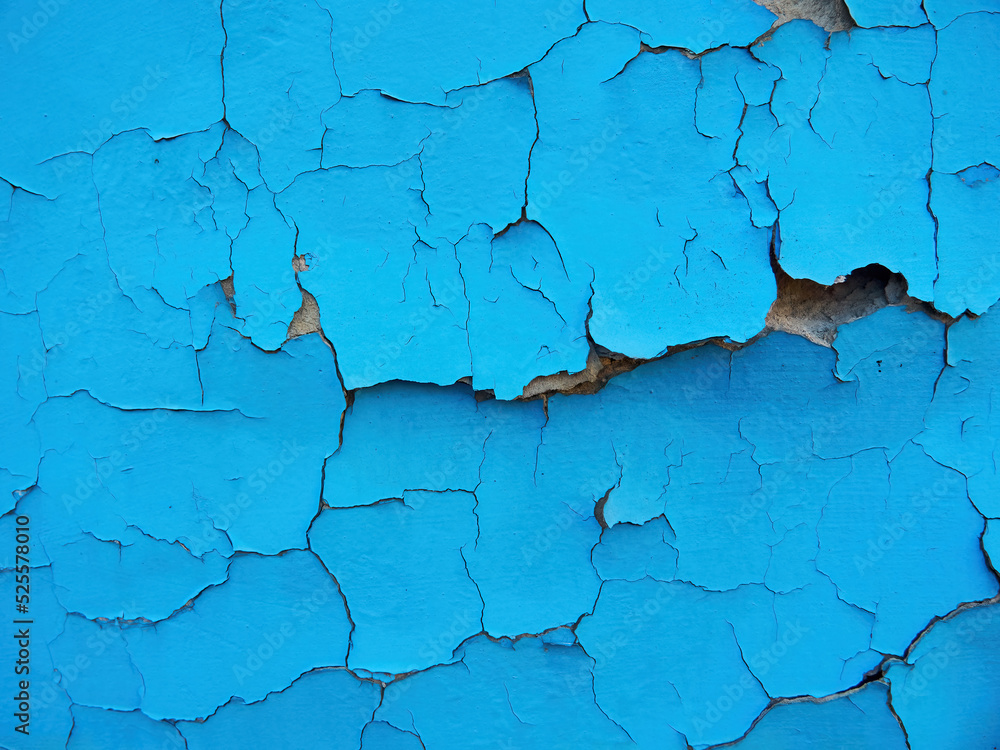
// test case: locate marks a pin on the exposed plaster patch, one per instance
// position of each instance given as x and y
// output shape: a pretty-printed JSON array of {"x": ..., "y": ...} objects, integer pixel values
[
  {"x": 306, "y": 319},
  {"x": 832, "y": 15}
]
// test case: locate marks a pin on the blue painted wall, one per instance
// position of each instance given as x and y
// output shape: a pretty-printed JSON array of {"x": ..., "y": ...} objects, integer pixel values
[{"x": 400, "y": 375}]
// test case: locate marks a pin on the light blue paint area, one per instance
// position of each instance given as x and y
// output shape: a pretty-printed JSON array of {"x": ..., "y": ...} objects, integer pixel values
[
  {"x": 483, "y": 129},
  {"x": 371, "y": 129},
  {"x": 910, "y": 558},
  {"x": 243, "y": 161},
  {"x": 279, "y": 78},
  {"x": 531, "y": 559},
  {"x": 758, "y": 430},
  {"x": 806, "y": 641},
  {"x": 799, "y": 410},
  {"x": 133, "y": 67},
  {"x": 789, "y": 394},
  {"x": 763, "y": 141},
  {"x": 379, "y": 735},
  {"x": 38, "y": 236},
  {"x": 991, "y": 543},
  {"x": 490, "y": 130},
  {"x": 696, "y": 25},
  {"x": 668, "y": 466},
  {"x": 718, "y": 555},
  {"x": 401, "y": 567},
  {"x": 133, "y": 353},
  {"x": 95, "y": 729},
  {"x": 323, "y": 708},
  {"x": 23, "y": 390},
  {"x": 527, "y": 314},
  {"x": 869, "y": 13},
  {"x": 756, "y": 79},
  {"x": 559, "y": 637},
  {"x": 230, "y": 172},
  {"x": 106, "y": 466},
  {"x": 288, "y": 407},
  {"x": 719, "y": 98},
  {"x": 763, "y": 212},
  {"x": 406, "y": 436},
  {"x": 534, "y": 260},
  {"x": 966, "y": 106},
  {"x": 94, "y": 665},
  {"x": 895, "y": 357},
  {"x": 649, "y": 458},
  {"x": 945, "y": 691},
  {"x": 162, "y": 229},
  {"x": 847, "y": 130},
  {"x": 419, "y": 52},
  {"x": 264, "y": 281},
  {"x": 858, "y": 719},
  {"x": 577, "y": 471},
  {"x": 644, "y": 637},
  {"x": 966, "y": 206},
  {"x": 798, "y": 50},
  {"x": 904, "y": 53},
  {"x": 802, "y": 641},
  {"x": 209, "y": 306},
  {"x": 942, "y": 12},
  {"x": 647, "y": 450},
  {"x": 436, "y": 157},
  {"x": 130, "y": 576},
  {"x": 282, "y": 386},
  {"x": 50, "y": 720},
  {"x": 518, "y": 694},
  {"x": 405, "y": 316},
  {"x": 628, "y": 552},
  {"x": 274, "y": 619},
  {"x": 132, "y": 350},
  {"x": 961, "y": 431},
  {"x": 426, "y": 145},
  {"x": 792, "y": 495},
  {"x": 683, "y": 248}
]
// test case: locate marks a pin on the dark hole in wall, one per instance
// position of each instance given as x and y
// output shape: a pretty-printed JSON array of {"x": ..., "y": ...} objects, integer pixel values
[{"x": 814, "y": 311}]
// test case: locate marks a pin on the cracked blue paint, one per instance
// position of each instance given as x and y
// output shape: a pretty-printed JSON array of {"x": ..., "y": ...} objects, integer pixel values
[
  {"x": 142, "y": 71},
  {"x": 845, "y": 129},
  {"x": 94, "y": 727},
  {"x": 600, "y": 130},
  {"x": 695, "y": 25},
  {"x": 394, "y": 375},
  {"x": 874, "y": 13},
  {"x": 957, "y": 654},
  {"x": 527, "y": 314},
  {"x": 421, "y": 52},
  {"x": 517, "y": 689},
  {"x": 267, "y": 722},
  {"x": 860, "y": 719},
  {"x": 279, "y": 77},
  {"x": 401, "y": 565},
  {"x": 263, "y": 627}
]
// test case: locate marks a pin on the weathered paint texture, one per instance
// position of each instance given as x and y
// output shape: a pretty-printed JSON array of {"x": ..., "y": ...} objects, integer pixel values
[{"x": 474, "y": 374}]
